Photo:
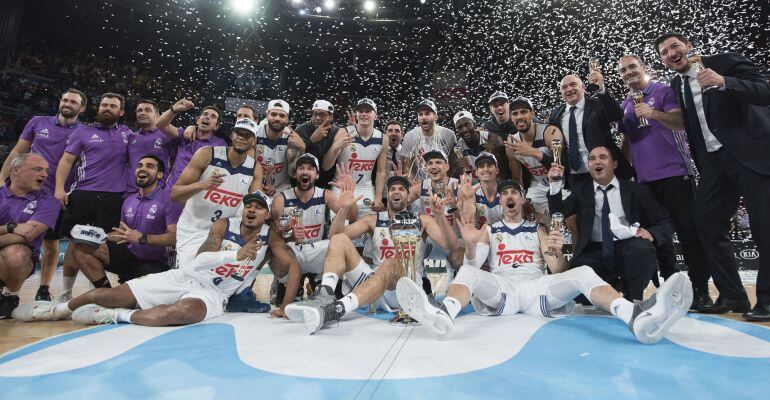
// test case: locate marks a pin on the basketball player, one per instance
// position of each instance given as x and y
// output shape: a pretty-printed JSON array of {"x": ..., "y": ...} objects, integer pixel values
[
  {"x": 279, "y": 143},
  {"x": 470, "y": 143},
  {"x": 518, "y": 252},
  {"x": 361, "y": 286},
  {"x": 359, "y": 147},
  {"x": 211, "y": 186},
  {"x": 178, "y": 296}
]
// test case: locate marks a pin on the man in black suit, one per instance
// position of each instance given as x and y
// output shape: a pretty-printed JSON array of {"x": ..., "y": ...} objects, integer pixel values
[
  {"x": 630, "y": 256},
  {"x": 728, "y": 127},
  {"x": 587, "y": 121}
]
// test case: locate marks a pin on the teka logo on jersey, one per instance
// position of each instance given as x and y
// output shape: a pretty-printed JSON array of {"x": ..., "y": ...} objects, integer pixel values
[
  {"x": 507, "y": 257},
  {"x": 388, "y": 250},
  {"x": 223, "y": 197},
  {"x": 360, "y": 165},
  {"x": 312, "y": 231},
  {"x": 236, "y": 271}
]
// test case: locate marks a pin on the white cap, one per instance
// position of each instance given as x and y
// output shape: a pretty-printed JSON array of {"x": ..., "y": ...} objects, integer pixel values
[
  {"x": 307, "y": 157},
  {"x": 278, "y": 105},
  {"x": 366, "y": 102},
  {"x": 323, "y": 105},
  {"x": 427, "y": 103},
  {"x": 462, "y": 114},
  {"x": 92, "y": 236},
  {"x": 498, "y": 95},
  {"x": 246, "y": 124}
]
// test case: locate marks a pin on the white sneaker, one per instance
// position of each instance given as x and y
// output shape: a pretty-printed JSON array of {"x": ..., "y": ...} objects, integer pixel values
[
  {"x": 653, "y": 317},
  {"x": 64, "y": 297},
  {"x": 414, "y": 301},
  {"x": 35, "y": 311},
  {"x": 92, "y": 314}
]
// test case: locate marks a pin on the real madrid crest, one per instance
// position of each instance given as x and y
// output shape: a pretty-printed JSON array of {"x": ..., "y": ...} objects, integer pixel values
[
  {"x": 260, "y": 149},
  {"x": 352, "y": 147},
  {"x": 499, "y": 237}
]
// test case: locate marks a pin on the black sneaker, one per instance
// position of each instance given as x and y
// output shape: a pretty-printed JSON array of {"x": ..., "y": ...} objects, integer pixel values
[
  {"x": 43, "y": 294},
  {"x": 316, "y": 312},
  {"x": 8, "y": 303}
]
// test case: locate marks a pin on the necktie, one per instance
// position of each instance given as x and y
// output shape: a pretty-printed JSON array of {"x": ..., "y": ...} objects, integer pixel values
[
  {"x": 692, "y": 115},
  {"x": 608, "y": 247},
  {"x": 574, "y": 144}
]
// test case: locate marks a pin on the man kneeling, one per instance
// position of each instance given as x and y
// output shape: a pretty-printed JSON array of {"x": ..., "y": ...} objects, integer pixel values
[
  {"x": 517, "y": 252},
  {"x": 180, "y": 296}
]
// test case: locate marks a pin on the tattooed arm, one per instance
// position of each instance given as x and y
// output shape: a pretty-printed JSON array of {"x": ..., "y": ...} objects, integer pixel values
[{"x": 216, "y": 235}]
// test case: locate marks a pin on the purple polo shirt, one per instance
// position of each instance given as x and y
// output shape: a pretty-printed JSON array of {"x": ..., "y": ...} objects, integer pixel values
[
  {"x": 150, "y": 215},
  {"x": 655, "y": 152},
  {"x": 102, "y": 156},
  {"x": 185, "y": 152},
  {"x": 35, "y": 206},
  {"x": 48, "y": 138},
  {"x": 153, "y": 142}
]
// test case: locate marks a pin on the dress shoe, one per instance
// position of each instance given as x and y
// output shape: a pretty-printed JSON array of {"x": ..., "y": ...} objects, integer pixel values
[
  {"x": 701, "y": 300},
  {"x": 760, "y": 313},
  {"x": 724, "y": 305}
]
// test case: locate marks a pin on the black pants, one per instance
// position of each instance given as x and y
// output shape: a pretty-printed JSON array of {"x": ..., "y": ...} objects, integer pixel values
[
  {"x": 100, "y": 209},
  {"x": 723, "y": 180},
  {"x": 634, "y": 264},
  {"x": 677, "y": 195}
]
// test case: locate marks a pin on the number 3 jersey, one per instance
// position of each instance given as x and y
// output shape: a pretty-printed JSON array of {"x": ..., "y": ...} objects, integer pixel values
[
  {"x": 223, "y": 201},
  {"x": 515, "y": 248},
  {"x": 222, "y": 269}
]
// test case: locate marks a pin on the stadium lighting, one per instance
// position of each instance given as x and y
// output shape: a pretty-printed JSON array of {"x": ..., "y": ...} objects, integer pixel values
[
  {"x": 318, "y": 9},
  {"x": 302, "y": 11},
  {"x": 369, "y": 5},
  {"x": 242, "y": 6},
  {"x": 422, "y": 1},
  {"x": 330, "y": 4}
]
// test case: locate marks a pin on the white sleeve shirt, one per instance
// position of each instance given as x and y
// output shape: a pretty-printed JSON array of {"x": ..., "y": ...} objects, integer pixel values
[
  {"x": 712, "y": 143},
  {"x": 581, "y": 106},
  {"x": 616, "y": 207}
]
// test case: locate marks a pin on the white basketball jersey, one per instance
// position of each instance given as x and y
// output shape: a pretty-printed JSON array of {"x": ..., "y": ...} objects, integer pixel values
[
  {"x": 360, "y": 156},
  {"x": 268, "y": 149},
  {"x": 228, "y": 277},
  {"x": 471, "y": 154},
  {"x": 423, "y": 204},
  {"x": 487, "y": 212},
  {"x": 313, "y": 215},
  {"x": 538, "y": 171},
  {"x": 516, "y": 248},
  {"x": 385, "y": 248},
  {"x": 223, "y": 201}
]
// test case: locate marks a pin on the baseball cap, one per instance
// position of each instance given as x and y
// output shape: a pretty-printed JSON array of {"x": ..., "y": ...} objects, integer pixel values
[
  {"x": 523, "y": 101},
  {"x": 246, "y": 124},
  {"x": 427, "y": 103},
  {"x": 308, "y": 158},
  {"x": 435, "y": 154},
  {"x": 323, "y": 105},
  {"x": 399, "y": 179},
  {"x": 462, "y": 114},
  {"x": 259, "y": 197},
  {"x": 92, "y": 236},
  {"x": 484, "y": 156},
  {"x": 509, "y": 183},
  {"x": 366, "y": 102},
  {"x": 498, "y": 95},
  {"x": 278, "y": 105}
]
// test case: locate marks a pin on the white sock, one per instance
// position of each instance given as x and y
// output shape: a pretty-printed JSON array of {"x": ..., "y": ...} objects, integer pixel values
[
  {"x": 452, "y": 305},
  {"x": 68, "y": 282},
  {"x": 62, "y": 310},
  {"x": 350, "y": 302},
  {"x": 622, "y": 309},
  {"x": 125, "y": 315},
  {"x": 330, "y": 279},
  {"x": 10, "y": 293}
]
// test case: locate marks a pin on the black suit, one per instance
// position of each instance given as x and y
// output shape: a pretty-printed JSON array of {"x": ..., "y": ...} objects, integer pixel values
[
  {"x": 635, "y": 258},
  {"x": 739, "y": 117},
  {"x": 598, "y": 114}
]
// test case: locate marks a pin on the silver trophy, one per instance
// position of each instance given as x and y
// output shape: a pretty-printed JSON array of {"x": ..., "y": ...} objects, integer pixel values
[
  {"x": 557, "y": 223},
  {"x": 284, "y": 222},
  {"x": 297, "y": 214},
  {"x": 406, "y": 231},
  {"x": 638, "y": 98},
  {"x": 441, "y": 191},
  {"x": 695, "y": 61},
  {"x": 269, "y": 180},
  {"x": 368, "y": 202}
]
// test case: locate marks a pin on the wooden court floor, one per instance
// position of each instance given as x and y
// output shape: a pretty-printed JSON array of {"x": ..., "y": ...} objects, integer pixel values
[{"x": 17, "y": 334}]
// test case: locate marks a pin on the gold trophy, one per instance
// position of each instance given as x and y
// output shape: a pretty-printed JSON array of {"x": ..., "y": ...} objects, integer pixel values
[
  {"x": 269, "y": 173},
  {"x": 557, "y": 146},
  {"x": 297, "y": 214},
  {"x": 557, "y": 223},
  {"x": 695, "y": 61},
  {"x": 638, "y": 98},
  {"x": 592, "y": 88},
  {"x": 441, "y": 191},
  {"x": 406, "y": 231}
]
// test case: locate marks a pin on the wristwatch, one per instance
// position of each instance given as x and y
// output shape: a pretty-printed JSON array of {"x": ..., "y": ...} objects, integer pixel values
[
  {"x": 10, "y": 226},
  {"x": 143, "y": 239}
]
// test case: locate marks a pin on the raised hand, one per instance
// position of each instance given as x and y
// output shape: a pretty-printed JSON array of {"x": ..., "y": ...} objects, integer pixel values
[
  {"x": 321, "y": 132},
  {"x": 468, "y": 230},
  {"x": 212, "y": 182},
  {"x": 555, "y": 173},
  {"x": 182, "y": 106},
  {"x": 250, "y": 249},
  {"x": 351, "y": 117}
]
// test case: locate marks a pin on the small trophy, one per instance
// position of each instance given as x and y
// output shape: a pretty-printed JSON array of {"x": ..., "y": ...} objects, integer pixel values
[
  {"x": 557, "y": 146},
  {"x": 592, "y": 88},
  {"x": 695, "y": 61},
  {"x": 269, "y": 172},
  {"x": 297, "y": 214},
  {"x": 557, "y": 223},
  {"x": 441, "y": 191},
  {"x": 638, "y": 98},
  {"x": 284, "y": 221},
  {"x": 368, "y": 202},
  {"x": 406, "y": 231}
]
